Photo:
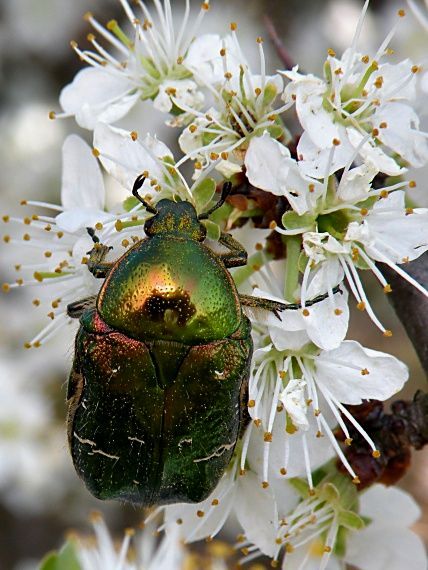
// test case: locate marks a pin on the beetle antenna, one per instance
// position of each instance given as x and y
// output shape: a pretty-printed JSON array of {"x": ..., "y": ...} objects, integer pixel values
[
  {"x": 137, "y": 185},
  {"x": 226, "y": 190},
  {"x": 91, "y": 232}
]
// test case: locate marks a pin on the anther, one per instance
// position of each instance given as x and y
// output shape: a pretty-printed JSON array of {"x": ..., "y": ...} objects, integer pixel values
[
  {"x": 401, "y": 13},
  {"x": 384, "y": 194},
  {"x": 265, "y": 484},
  {"x": 365, "y": 372},
  {"x": 224, "y": 155},
  {"x": 179, "y": 521},
  {"x": 200, "y": 514},
  {"x": 409, "y": 211},
  {"x": 267, "y": 437},
  {"x": 215, "y": 502},
  {"x": 5, "y": 287},
  {"x": 376, "y": 454},
  {"x": 348, "y": 441},
  {"x": 27, "y": 345},
  {"x": 336, "y": 142},
  {"x": 356, "y": 480},
  {"x": 257, "y": 422},
  {"x": 387, "y": 333},
  {"x": 36, "y": 302},
  {"x": 6, "y": 239},
  {"x": 361, "y": 306},
  {"x": 283, "y": 471},
  {"x": 205, "y": 6},
  {"x": 364, "y": 211},
  {"x": 365, "y": 59},
  {"x": 338, "y": 312},
  {"x": 331, "y": 52},
  {"x": 251, "y": 403},
  {"x": 134, "y": 135},
  {"x": 233, "y": 26},
  {"x": 412, "y": 184},
  {"x": 26, "y": 237},
  {"x": 305, "y": 313},
  {"x": 52, "y": 115}
]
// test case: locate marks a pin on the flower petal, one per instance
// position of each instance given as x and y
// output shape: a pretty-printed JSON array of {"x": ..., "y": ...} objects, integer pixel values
[
  {"x": 82, "y": 182},
  {"x": 352, "y": 373}
]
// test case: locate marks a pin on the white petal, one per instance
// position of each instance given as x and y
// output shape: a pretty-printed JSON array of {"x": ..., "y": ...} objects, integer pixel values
[
  {"x": 264, "y": 161},
  {"x": 313, "y": 160},
  {"x": 294, "y": 399},
  {"x": 327, "y": 322},
  {"x": 256, "y": 511},
  {"x": 401, "y": 132},
  {"x": 389, "y": 506},
  {"x": 77, "y": 218},
  {"x": 355, "y": 184},
  {"x": 96, "y": 95},
  {"x": 392, "y": 548},
  {"x": 374, "y": 154},
  {"x": 82, "y": 182},
  {"x": 193, "y": 527},
  {"x": 351, "y": 384},
  {"x": 128, "y": 158}
]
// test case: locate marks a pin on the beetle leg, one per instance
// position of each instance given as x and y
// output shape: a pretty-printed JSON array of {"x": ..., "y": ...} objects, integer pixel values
[
  {"x": 236, "y": 256},
  {"x": 276, "y": 307},
  {"x": 76, "y": 309},
  {"x": 96, "y": 264}
]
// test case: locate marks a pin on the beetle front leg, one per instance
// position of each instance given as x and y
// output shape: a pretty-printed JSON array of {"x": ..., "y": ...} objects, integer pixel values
[
  {"x": 276, "y": 307},
  {"x": 96, "y": 264},
  {"x": 236, "y": 256}
]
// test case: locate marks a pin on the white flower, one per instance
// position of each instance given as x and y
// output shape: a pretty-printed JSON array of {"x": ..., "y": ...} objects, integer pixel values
[
  {"x": 60, "y": 243},
  {"x": 148, "y": 65},
  {"x": 244, "y": 107},
  {"x": 361, "y": 107},
  {"x": 269, "y": 166},
  {"x": 168, "y": 555},
  {"x": 384, "y": 541},
  {"x": 306, "y": 390},
  {"x": 257, "y": 507}
]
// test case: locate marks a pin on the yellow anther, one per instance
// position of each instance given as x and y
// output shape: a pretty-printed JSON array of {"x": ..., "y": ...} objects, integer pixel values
[
  {"x": 356, "y": 480},
  {"x": 224, "y": 155},
  {"x": 283, "y": 471},
  {"x": 134, "y": 135},
  {"x": 365, "y": 59},
  {"x": 409, "y": 211},
  {"x": 364, "y": 211},
  {"x": 99, "y": 226},
  {"x": 96, "y": 152},
  {"x": 215, "y": 502},
  {"x": 412, "y": 184},
  {"x": 233, "y": 26},
  {"x": 387, "y": 333},
  {"x": 257, "y": 422},
  {"x": 331, "y": 52},
  {"x": 336, "y": 142},
  {"x": 348, "y": 441},
  {"x": 118, "y": 226},
  {"x": 52, "y": 115},
  {"x": 401, "y": 13},
  {"x": 361, "y": 306},
  {"x": 6, "y": 239},
  {"x": 416, "y": 68},
  {"x": 251, "y": 403},
  {"x": 5, "y": 287},
  {"x": 376, "y": 454},
  {"x": 267, "y": 437},
  {"x": 36, "y": 302},
  {"x": 26, "y": 237},
  {"x": 338, "y": 312},
  {"x": 365, "y": 372},
  {"x": 200, "y": 514},
  {"x": 387, "y": 288},
  {"x": 305, "y": 313},
  {"x": 384, "y": 194},
  {"x": 378, "y": 82},
  {"x": 265, "y": 484}
]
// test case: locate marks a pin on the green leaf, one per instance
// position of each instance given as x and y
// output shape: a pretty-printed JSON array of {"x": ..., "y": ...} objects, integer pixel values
[
  {"x": 204, "y": 193},
  {"x": 351, "y": 520},
  {"x": 292, "y": 221},
  {"x": 213, "y": 230},
  {"x": 65, "y": 559}
]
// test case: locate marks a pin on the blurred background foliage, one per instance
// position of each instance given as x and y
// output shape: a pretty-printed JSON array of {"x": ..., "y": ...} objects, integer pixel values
[{"x": 40, "y": 494}]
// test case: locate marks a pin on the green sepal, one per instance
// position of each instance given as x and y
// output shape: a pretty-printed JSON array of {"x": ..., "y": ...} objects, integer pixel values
[
  {"x": 213, "y": 229},
  {"x": 351, "y": 520},
  {"x": 330, "y": 493},
  {"x": 65, "y": 559},
  {"x": 204, "y": 193},
  {"x": 292, "y": 220},
  {"x": 303, "y": 262},
  {"x": 176, "y": 111},
  {"x": 130, "y": 203},
  {"x": 276, "y": 131},
  {"x": 340, "y": 543},
  {"x": 269, "y": 94},
  {"x": 301, "y": 486}
]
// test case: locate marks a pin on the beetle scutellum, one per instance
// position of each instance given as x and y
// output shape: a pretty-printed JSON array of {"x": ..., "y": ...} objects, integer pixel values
[{"x": 157, "y": 393}]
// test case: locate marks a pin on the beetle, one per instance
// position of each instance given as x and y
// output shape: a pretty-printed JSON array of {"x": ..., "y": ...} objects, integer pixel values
[{"x": 158, "y": 388}]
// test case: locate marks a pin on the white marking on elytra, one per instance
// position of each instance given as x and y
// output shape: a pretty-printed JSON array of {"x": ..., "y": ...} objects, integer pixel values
[
  {"x": 100, "y": 452},
  {"x": 84, "y": 441},
  {"x": 135, "y": 439},
  {"x": 218, "y": 452}
]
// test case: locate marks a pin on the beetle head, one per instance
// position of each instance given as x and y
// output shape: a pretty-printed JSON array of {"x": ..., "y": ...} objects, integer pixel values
[{"x": 175, "y": 218}]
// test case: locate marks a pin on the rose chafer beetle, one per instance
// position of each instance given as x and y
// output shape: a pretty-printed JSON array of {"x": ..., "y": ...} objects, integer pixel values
[{"x": 157, "y": 393}]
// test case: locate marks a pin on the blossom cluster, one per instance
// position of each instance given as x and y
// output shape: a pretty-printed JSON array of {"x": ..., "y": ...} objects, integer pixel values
[{"x": 315, "y": 208}]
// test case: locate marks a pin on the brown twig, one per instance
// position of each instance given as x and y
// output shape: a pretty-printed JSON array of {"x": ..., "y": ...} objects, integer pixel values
[{"x": 278, "y": 44}]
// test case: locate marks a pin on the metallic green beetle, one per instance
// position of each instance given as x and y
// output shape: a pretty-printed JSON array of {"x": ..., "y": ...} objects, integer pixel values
[{"x": 157, "y": 393}]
